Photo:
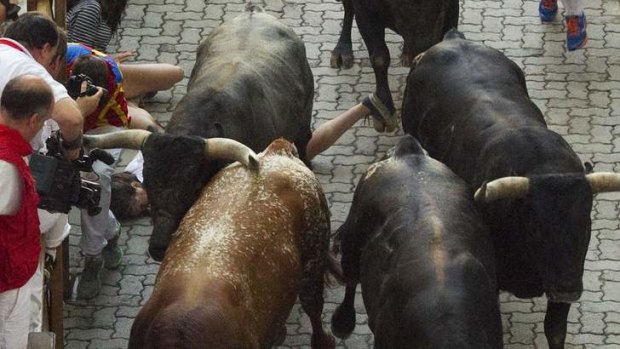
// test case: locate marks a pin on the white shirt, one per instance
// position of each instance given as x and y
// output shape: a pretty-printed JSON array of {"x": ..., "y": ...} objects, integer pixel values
[
  {"x": 10, "y": 188},
  {"x": 135, "y": 166},
  {"x": 14, "y": 63}
]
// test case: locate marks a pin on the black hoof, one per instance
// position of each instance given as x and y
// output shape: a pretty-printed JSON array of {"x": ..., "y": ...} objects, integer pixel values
[{"x": 343, "y": 322}]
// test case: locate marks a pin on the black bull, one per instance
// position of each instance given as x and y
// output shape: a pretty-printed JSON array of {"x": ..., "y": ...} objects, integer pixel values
[
  {"x": 423, "y": 255},
  {"x": 468, "y": 105},
  {"x": 421, "y": 23},
  {"x": 251, "y": 83}
]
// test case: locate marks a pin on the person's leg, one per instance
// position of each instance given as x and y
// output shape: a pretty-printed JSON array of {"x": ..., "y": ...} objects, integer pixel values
[
  {"x": 142, "y": 119},
  {"x": 139, "y": 79},
  {"x": 328, "y": 133},
  {"x": 547, "y": 10},
  {"x": 97, "y": 229},
  {"x": 575, "y": 19},
  {"x": 15, "y": 316},
  {"x": 573, "y": 7},
  {"x": 36, "y": 297}
]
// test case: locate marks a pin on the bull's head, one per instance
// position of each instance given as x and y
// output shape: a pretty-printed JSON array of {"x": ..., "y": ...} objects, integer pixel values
[
  {"x": 558, "y": 223},
  {"x": 175, "y": 170}
]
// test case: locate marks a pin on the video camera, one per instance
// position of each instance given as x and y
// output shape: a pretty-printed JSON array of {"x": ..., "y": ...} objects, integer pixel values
[
  {"x": 74, "y": 88},
  {"x": 58, "y": 180}
]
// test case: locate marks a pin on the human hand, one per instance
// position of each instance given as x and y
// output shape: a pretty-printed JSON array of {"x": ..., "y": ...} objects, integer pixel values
[
  {"x": 88, "y": 104},
  {"x": 124, "y": 56},
  {"x": 50, "y": 263}
]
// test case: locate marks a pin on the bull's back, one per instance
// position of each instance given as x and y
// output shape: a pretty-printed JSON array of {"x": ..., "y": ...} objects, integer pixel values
[
  {"x": 461, "y": 97},
  {"x": 251, "y": 82},
  {"x": 245, "y": 231},
  {"x": 428, "y": 263}
]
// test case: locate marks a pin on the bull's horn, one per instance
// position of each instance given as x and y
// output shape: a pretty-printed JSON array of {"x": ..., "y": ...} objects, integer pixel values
[
  {"x": 226, "y": 148},
  {"x": 128, "y": 139},
  {"x": 601, "y": 182},
  {"x": 503, "y": 188}
]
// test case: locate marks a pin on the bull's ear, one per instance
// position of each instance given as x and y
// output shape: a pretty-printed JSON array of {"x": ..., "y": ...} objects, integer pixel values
[
  {"x": 588, "y": 167},
  {"x": 503, "y": 188},
  {"x": 604, "y": 182}
]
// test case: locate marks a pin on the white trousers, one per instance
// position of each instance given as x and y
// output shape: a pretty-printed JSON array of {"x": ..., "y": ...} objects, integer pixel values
[
  {"x": 16, "y": 315},
  {"x": 573, "y": 7},
  {"x": 54, "y": 229}
]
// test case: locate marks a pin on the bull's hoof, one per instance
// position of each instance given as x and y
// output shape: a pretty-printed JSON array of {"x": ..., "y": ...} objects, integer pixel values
[
  {"x": 280, "y": 336},
  {"x": 342, "y": 56},
  {"x": 343, "y": 322},
  {"x": 326, "y": 341},
  {"x": 344, "y": 61}
]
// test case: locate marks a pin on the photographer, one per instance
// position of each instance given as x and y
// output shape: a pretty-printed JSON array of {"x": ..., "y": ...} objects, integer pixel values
[
  {"x": 100, "y": 232},
  {"x": 31, "y": 46},
  {"x": 25, "y": 104}
]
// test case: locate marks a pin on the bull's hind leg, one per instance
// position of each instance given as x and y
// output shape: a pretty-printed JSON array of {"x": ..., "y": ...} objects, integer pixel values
[
  {"x": 555, "y": 324},
  {"x": 314, "y": 250},
  {"x": 382, "y": 107},
  {"x": 311, "y": 299},
  {"x": 343, "y": 320},
  {"x": 342, "y": 54}
]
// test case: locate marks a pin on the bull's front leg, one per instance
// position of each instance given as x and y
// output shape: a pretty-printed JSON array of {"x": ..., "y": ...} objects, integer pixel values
[
  {"x": 342, "y": 54},
  {"x": 555, "y": 324},
  {"x": 380, "y": 103}
]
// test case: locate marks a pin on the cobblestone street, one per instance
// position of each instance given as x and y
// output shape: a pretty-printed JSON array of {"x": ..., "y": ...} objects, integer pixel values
[{"x": 579, "y": 93}]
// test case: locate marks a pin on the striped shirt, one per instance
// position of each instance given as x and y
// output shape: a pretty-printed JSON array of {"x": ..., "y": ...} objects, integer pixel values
[{"x": 86, "y": 26}]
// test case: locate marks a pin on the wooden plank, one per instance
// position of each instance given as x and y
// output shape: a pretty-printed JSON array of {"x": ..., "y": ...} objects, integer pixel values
[{"x": 56, "y": 9}]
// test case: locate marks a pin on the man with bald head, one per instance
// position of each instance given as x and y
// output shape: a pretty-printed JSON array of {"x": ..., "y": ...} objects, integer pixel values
[{"x": 26, "y": 102}]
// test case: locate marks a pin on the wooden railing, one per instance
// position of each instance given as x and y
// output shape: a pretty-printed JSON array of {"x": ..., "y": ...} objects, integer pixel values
[{"x": 55, "y": 9}]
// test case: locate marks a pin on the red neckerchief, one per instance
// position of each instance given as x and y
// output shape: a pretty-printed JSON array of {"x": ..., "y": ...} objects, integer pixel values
[{"x": 11, "y": 44}]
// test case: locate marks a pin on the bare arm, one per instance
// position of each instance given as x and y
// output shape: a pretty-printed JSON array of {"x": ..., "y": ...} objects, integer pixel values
[{"x": 328, "y": 133}]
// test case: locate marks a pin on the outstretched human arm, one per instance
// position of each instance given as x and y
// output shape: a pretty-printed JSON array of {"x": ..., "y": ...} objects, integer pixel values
[{"x": 330, "y": 131}]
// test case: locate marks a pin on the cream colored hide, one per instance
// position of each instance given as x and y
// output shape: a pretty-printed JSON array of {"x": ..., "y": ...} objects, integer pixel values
[{"x": 247, "y": 248}]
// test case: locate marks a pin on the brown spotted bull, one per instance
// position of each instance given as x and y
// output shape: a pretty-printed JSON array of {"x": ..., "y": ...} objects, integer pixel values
[{"x": 249, "y": 245}]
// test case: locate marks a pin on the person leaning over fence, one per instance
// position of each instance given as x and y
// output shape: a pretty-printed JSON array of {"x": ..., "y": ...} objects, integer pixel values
[{"x": 26, "y": 102}]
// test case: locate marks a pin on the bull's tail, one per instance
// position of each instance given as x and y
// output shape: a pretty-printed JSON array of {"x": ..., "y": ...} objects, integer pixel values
[
  {"x": 252, "y": 7},
  {"x": 334, "y": 274}
]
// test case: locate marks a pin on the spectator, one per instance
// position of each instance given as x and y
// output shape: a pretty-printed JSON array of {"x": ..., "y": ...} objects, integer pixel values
[
  {"x": 94, "y": 22},
  {"x": 574, "y": 17},
  {"x": 34, "y": 45},
  {"x": 26, "y": 102},
  {"x": 130, "y": 198},
  {"x": 8, "y": 12},
  {"x": 30, "y": 46},
  {"x": 100, "y": 233}
]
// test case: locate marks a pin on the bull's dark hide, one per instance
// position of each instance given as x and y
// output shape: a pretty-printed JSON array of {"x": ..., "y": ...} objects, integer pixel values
[
  {"x": 468, "y": 104},
  {"x": 423, "y": 256},
  {"x": 251, "y": 83},
  {"x": 421, "y": 23}
]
